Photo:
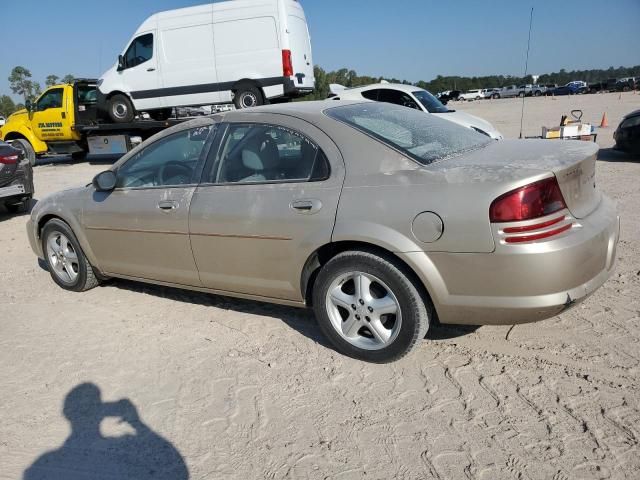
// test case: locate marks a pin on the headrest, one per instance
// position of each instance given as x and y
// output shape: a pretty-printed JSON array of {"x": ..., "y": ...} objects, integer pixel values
[{"x": 260, "y": 154}]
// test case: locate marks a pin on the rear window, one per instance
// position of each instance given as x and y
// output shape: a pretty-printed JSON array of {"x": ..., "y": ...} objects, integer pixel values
[{"x": 422, "y": 136}]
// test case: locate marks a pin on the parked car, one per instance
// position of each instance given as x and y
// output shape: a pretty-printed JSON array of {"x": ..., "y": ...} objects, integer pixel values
[
  {"x": 471, "y": 95},
  {"x": 262, "y": 52},
  {"x": 537, "y": 90},
  {"x": 16, "y": 179},
  {"x": 507, "y": 92},
  {"x": 448, "y": 95},
  {"x": 627, "y": 135},
  {"x": 379, "y": 217},
  {"x": 418, "y": 99},
  {"x": 571, "y": 88},
  {"x": 488, "y": 92}
]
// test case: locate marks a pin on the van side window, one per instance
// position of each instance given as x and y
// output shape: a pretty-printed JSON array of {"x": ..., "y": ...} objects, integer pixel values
[
  {"x": 51, "y": 99},
  {"x": 267, "y": 153},
  {"x": 140, "y": 50}
]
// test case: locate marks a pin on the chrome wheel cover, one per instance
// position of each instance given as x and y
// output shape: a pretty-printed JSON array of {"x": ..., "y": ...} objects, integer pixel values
[
  {"x": 62, "y": 257},
  {"x": 120, "y": 110},
  {"x": 363, "y": 310},
  {"x": 248, "y": 100}
]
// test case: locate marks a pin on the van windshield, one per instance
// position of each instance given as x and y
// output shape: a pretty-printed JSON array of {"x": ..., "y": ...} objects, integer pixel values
[{"x": 425, "y": 138}]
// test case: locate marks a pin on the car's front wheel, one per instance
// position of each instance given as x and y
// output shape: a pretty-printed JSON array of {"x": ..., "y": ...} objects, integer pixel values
[
  {"x": 65, "y": 259},
  {"x": 369, "y": 307}
]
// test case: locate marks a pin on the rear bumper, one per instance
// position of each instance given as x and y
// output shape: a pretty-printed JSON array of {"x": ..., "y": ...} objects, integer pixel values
[{"x": 524, "y": 283}]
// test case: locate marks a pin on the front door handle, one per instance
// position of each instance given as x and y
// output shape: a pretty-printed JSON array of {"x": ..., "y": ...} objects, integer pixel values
[
  {"x": 307, "y": 207},
  {"x": 151, "y": 69},
  {"x": 167, "y": 205}
]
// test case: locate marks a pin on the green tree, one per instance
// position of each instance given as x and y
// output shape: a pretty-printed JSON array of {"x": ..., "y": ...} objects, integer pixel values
[
  {"x": 7, "y": 106},
  {"x": 19, "y": 82},
  {"x": 51, "y": 80},
  {"x": 68, "y": 78}
]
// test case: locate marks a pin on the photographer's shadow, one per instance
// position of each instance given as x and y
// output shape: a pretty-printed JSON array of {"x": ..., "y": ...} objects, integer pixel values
[{"x": 88, "y": 454}]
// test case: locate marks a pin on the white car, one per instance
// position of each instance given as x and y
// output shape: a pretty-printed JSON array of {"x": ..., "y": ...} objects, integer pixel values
[
  {"x": 417, "y": 98},
  {"x": 262, "y": 52},
  {"x": 471, "y": 95}
]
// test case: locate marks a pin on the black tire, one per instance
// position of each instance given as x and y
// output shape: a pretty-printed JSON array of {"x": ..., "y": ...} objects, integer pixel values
[
  {"x": 161, "y": 115},
  {"x": 27, "y": 149},
  {"x": 521, "y": 94},
  {"x": 21, "y": 207},
  {"x": 414, "y": 308},
  {"x": 79, "y": 156},
  {"x": 247, "y": 95},
  {"x": 120, "y": 109},
  {"x": 538, "y": 93},
  {"x": 86, "y": 277},
  {"x": 495, "y": 96}
]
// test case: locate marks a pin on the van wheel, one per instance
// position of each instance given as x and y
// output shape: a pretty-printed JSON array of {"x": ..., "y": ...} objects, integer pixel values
[
  {"x": 66, "y": 261},
  {"x": 369, "y": 307},
  {"x": 247, "y": 96},
  {"x": 27, "y": 149},
  {"x": 161, "y": 115},
  {"x": 120, "y": 109}
]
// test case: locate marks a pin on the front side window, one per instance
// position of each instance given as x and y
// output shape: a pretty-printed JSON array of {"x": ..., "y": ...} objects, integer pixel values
[
  {"x": 50, "y": 99},
  {"x": 140, "y": 50},
  {"x": 171, "y": 161},
  {"x": 257, "y": 153},
  {"x": 425, "y": 138}
]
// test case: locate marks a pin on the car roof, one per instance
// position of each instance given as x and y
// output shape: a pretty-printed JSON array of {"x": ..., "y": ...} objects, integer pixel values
[{"x": 394, "y": 86}]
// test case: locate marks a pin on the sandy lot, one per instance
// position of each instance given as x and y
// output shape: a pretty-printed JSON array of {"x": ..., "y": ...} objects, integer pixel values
[{"x": 210, "y": 388}]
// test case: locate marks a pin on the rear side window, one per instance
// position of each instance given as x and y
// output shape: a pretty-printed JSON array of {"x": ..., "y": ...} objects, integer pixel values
[
  {"x": 423, "y": 137},
  {"x": 371, "y": 94},
  {"x": 140, "y": 50},
  {"x": 259, "y": 153}
]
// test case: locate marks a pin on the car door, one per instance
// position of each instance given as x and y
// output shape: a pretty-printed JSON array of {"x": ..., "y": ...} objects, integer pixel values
[
  {"x": 140, "y": 72},
  {"x": 268, "y": 202},
  {"x": 140, "y": 229},
  {"x": 49, "y": 116}
]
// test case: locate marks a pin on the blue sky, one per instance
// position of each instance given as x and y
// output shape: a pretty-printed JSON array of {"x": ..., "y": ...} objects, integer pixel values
[{"x": 406, "y": 39}]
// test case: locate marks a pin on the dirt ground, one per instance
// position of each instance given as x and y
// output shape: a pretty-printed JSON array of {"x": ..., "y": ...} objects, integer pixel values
[{"x": 216, "y": 388}]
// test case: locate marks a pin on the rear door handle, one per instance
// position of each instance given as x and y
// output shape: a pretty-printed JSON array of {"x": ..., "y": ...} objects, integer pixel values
[
  {"x": 307, "y": 207},
  {"x": 167, "y": 205}
]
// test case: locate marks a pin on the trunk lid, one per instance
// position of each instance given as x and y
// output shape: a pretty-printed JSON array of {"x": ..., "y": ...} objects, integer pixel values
[{"x": 572, "y": 162}]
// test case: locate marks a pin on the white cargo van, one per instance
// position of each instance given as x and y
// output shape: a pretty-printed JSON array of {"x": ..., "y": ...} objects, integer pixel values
[{"x": 245, "y": 51}]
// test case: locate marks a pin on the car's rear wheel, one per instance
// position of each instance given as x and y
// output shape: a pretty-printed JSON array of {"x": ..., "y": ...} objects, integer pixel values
[
  {"x": 65, "y": 259},
  {"x": 521, "y": 94},
  {"x": 495, "y": 96},
  {"x": 120, "y": 109},
  {"x": 369, "y": 307}
]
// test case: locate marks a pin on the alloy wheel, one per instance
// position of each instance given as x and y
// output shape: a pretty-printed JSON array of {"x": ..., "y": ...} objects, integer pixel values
[{"x": 62, "y": 257}]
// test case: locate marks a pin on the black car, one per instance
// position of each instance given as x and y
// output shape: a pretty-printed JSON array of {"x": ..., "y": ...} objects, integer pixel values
[
  {"x": 16, "y": 179},
  {"x": 627, "y": 135}
]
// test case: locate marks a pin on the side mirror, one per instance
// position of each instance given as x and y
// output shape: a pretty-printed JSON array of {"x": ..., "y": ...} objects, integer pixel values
[
  {"x": 104, "y": 181},
  {"x": 120, "y": 62},
  {"x": 28, "y": 105}
]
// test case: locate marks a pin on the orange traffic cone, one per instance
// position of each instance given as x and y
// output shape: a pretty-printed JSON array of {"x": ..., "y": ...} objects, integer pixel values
[{"x": 604, "y": 123}]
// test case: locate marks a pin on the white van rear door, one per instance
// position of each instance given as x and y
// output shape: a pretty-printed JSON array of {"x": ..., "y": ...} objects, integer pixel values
[{"x": 300, "y": 47}]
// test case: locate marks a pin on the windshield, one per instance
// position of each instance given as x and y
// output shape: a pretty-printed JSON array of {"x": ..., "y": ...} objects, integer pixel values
[
  {"x": 431, "y": 103},
  {"x": 425, "y": 138}
]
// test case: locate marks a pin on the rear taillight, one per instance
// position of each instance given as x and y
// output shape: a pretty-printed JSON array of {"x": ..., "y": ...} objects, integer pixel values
[
  {"x": 287, "y": 65},
  {"x": 9, "y": 159},
  {"x": 526, "y": 203}
]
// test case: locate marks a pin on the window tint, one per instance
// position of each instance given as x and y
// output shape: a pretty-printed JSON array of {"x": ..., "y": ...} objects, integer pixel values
[
  {"x": 169, "y": 161},
  {"x": 50, "y": 99},
  {"x": 397, "y": 97},
  {"x": 371, "y": 94},
  {"x": 265, "y": 153},
  {"x": 425, "y": 138},
  {"x": 140, "y": 50}
]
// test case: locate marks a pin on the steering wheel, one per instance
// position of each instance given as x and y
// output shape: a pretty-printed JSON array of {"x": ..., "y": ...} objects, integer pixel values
[{"x": 179, "y": 174}]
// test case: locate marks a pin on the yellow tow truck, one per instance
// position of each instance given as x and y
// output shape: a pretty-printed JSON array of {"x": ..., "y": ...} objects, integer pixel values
[{"x": 65, "y": 120}]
